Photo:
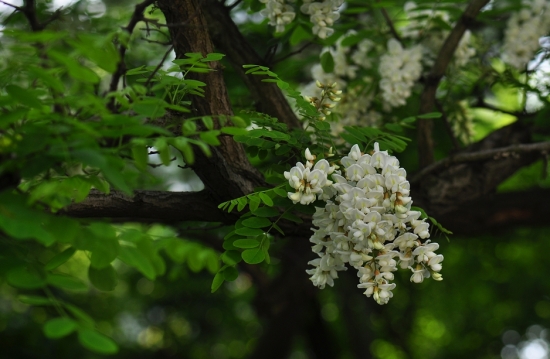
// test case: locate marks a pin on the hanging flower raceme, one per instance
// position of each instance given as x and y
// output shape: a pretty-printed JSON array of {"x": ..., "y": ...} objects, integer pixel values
[
  {"x": 367, "y": 222},
  {"x": 308, "y": 179}
]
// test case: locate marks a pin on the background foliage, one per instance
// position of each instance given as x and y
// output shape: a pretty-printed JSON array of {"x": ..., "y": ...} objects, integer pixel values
[{"x": 128, "y": 284}]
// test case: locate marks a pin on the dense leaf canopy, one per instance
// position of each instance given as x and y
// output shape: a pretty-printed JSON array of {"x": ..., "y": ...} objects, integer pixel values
[{"x": 163, "y": 164}]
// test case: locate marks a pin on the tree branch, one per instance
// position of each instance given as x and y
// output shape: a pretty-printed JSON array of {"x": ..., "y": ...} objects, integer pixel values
[
  {"x": 29, "y": 10},
  {"x": 150, "y": 206},
  {"x": 137, "y": 16},
  {"x": 390, "y": 25},
  {"x": 492, "y": 154},
  {"x": 227, "y": 37},
  {"x": 450, "y": 185},
  {"x": 427, "y": 99},
  {"x": 500, "y": 212},
  {"x": 227, "y": 173}
]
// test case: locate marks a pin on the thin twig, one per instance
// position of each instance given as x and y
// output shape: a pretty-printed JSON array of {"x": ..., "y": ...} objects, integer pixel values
[
  {"x": 29, "y": 10},
  {"x": 232, "y": 6},
  {"x": 137, "y": 16},
  {"x": 292, "y": 53},
  {"x": 159, "y": 66},
  {"x": 389, "y": 22},
  {"x": 479, "y": 156},
  {"x": 11, "y": 5}
]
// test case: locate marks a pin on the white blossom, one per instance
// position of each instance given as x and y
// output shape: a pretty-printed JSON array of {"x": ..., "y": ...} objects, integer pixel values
[
  {"x": 399, "y": 69},
  {"x": 523, "y": 31},
  {"x": 279, "y": 13},
  {"x": 322, "y": 15},
  {"x": 367, "y": 222},
  {"x": 308, "y": 182}
]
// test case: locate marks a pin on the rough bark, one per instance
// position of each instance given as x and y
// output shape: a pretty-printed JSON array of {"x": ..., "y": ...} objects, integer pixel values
[
  {"x": 268, "y": 97},
  {"x": 227, "y": 173},
  {"x": 151, "y": 206}
]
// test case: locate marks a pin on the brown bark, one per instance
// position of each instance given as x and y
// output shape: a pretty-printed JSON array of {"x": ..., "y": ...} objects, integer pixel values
[
  {"x": 227, "y": 173},
  {"x": 268, "y": 97}
]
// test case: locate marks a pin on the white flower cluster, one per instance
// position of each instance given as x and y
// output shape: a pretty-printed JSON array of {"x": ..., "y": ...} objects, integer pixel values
[
  {"x": 322, "y": 15},
  {"x": 307, "y": 182},
  {"x": 368, "y": 223},
  {"x": 399, "y": 69},
  {"x": 279, "y": 13},
  {"x": 354, "y": 108},
  {"x": 524, "y": 29}
]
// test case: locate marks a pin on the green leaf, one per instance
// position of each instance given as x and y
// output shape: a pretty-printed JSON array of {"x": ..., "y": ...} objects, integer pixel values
[
  {"x": 278, "y": 229},
  {"x": 322, "y": 125},
  {"x": 80, "y": 314},
  {"x": 223, "y": 205},
  {"x": 60, "y": 258},
  {"x": 208, "y": 123},
  {"x": 246, "y": 243},
  {"x": 239, "y": 122},
  {"x": 189, "y": 128},
  {"x": 254, "y": 203},
  {"x": 105, "y": 246},
  {"x": 256, "y": 222},
  {"x": 24, "y": 96},
  {"x": 230, "y": 273},
  {"x": 99, "y": 50},
  {"x": 10, "y": 117},
  {"x": 217, "y": 281},
  {"x": 59, "y": 327},
  {"x": 75, "y": 69},
  {"x": 47, "y": 78},
  {"x": 393, "y": 127},
  {"x": 430, "y": 115},
  {"x": 242, "y": 202},
  {"x": 292, "y": 217},
  {"x": 210, "y": 137},
  {"x": 245, "y": 231},
  {"x": 66, "y": 282},
  {"x": 182, "y": 144},
  {"x": 234, "y": 131},
  {"x": 141, "y": 156},
  {"x": 253, "y": 256},
  {"x": 265, "y": 212},
  {"x": 281, "y": 192},
  {"x": 134, "y": 258},
  {"x": 25, "y": 279},
  {"x": 266, "y": 199},
  {"x": 150, "y": 107},
  {"x": 104, "y": 279},
  {"x": 213, "y": 57},
  {"x": 231, "y": 257},
  {"x": 163, "y": 150},
  {"x": 327, "y": 62},
  {"x": 300, "y": 34},
  {"x": 96, "y": 341},
  {"x": 34, "y": 300}
]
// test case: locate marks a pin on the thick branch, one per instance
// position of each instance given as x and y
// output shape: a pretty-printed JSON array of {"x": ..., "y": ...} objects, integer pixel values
[
  {"x": 427, "y": 99},
  {"x": 450, "y": 185},
  {"x": 150, "y": 206},
  {"x": 227, "y": 37},
  {"x": 227, "y": 173},
  {"x": 500, "y": 212},
  {"x": 495, "y": 154}
]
